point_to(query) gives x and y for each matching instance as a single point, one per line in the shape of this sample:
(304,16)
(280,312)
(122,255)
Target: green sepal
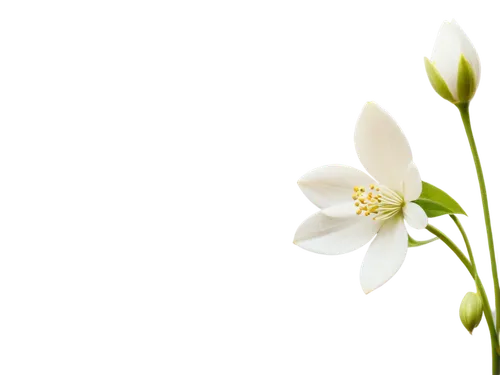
(436,202)
(437,81)
(466,81)
(414,243)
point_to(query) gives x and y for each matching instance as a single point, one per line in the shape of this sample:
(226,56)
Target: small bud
(471,311)
(454,69)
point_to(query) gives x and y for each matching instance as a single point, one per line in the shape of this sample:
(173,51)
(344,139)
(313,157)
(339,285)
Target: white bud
(453,69)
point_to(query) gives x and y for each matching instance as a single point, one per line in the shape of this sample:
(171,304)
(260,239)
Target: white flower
(355,207)
(454,69)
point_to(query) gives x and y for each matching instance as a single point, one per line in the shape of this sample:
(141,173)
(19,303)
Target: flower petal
(326,186)
(479,73)
(324,234)
(412,184)
(446,55)
(382,147)
(415,215)
(385,254)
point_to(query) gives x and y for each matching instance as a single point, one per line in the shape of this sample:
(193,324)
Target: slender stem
(464,112)
(471,269)
(466,241)
(443,237)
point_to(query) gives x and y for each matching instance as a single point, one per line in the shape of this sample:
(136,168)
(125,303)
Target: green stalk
(466,241)
(486,306)
(443,237)
(464,113)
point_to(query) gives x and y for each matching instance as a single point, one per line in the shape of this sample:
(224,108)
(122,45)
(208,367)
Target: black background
(412,328)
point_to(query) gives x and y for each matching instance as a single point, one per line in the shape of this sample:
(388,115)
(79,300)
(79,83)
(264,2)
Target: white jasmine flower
(355,207)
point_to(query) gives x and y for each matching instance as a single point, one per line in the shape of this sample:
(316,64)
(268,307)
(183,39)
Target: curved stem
(466,240)
(443,237)
(464,113)
(487,310)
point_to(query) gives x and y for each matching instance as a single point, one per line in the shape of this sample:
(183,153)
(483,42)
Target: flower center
(380,202)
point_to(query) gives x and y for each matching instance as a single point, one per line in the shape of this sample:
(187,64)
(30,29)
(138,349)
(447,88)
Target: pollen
(380,203)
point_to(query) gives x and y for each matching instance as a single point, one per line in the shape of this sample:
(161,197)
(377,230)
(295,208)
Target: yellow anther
(382,205)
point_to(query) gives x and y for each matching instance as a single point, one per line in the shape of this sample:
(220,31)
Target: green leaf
(437,81)
(436,202)
(466,80)
(414,243)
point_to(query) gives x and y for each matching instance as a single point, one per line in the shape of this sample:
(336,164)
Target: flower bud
(471,311)
(453,69)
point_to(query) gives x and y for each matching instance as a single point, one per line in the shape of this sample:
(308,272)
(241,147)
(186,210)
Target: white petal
(382,147)
(446,55)
(332,184)
(415,215)
(324,234)
(412,185)
(385,254)
(479,73)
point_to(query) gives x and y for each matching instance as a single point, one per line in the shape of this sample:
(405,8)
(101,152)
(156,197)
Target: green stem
(443,237)
(466,241)
(487,310)
(464,112)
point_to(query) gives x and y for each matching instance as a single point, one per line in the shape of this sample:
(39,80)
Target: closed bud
(453,69)
(471,311)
